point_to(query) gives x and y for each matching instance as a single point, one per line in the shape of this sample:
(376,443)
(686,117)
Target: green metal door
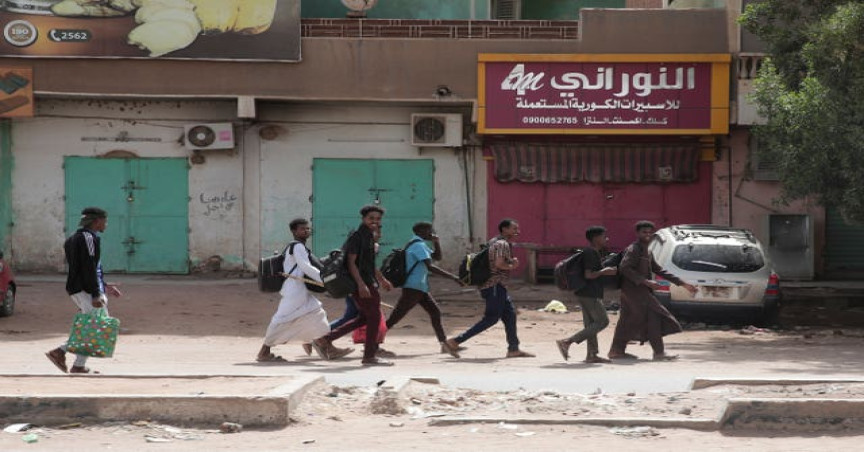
(147,204)
(405,188)
(844,247)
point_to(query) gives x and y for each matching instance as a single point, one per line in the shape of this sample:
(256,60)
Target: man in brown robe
(642,317)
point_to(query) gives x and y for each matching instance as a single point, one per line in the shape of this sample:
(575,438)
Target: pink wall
(558,214)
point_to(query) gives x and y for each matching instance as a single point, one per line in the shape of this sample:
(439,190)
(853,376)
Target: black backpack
(338,281)
(312,260)
(270,269)
(394,267)
(474,270)
(570,272)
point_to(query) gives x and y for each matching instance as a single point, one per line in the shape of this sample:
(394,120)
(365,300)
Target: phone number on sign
(550,120)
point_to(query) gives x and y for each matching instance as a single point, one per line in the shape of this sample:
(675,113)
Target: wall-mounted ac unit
(436,129)
(208,136)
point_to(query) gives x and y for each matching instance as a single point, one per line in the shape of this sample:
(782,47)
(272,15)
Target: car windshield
(718,258)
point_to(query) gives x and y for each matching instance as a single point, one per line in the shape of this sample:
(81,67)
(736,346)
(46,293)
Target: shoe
(447,347)
(81,370)
(564,348)
(58,358)
(322,347)
(614,356)
(307,348)
(594,359)
(381,353)
(377,362)
(458,348)
(665,357)
(519,354)
(336,353)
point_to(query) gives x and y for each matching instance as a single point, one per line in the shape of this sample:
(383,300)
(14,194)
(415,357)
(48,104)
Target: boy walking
(590,298)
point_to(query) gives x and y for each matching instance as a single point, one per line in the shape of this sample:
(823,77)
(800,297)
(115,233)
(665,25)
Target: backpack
(394,266)
(270,269)
(338,281)
(613,260)
(570,272)
(312,260)
(474,270)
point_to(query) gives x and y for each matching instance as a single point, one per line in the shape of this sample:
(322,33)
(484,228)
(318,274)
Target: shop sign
(603,94)
(16,92)
(247,30)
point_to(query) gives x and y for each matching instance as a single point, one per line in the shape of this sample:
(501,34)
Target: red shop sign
(604,94)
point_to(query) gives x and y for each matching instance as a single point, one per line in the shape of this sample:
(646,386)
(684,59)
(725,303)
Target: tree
(811,92)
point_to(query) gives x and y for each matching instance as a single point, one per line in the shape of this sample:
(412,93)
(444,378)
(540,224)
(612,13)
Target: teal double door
(405,188)
(147,201)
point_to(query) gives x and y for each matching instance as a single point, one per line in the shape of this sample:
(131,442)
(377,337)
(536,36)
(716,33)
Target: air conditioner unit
(436,129)
(209,136)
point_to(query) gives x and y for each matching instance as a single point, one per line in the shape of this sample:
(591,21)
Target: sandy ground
(214,327)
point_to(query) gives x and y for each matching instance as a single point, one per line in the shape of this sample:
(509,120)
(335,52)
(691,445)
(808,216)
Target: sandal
(519,354)
(58,358)
(307,348)
(622,356)
(271,358)
(448,347)
(665,357)
(597,360)
(564,348)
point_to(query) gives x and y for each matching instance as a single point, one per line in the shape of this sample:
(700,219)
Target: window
(507,9)
(718,258)
(764,167)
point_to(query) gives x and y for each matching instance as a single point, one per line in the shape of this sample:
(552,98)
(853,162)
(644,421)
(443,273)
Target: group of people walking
(300,316)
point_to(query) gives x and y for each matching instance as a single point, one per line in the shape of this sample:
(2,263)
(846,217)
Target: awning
(575,162)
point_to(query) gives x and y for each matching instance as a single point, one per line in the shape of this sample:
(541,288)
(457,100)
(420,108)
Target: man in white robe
(300,317)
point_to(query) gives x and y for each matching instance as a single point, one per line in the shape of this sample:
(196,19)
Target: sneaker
(377,362)
(381,353)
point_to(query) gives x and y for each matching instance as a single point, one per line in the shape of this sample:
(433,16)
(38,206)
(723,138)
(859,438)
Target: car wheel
(8,305)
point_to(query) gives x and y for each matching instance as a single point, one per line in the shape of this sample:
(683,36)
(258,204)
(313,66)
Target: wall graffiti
(216,204)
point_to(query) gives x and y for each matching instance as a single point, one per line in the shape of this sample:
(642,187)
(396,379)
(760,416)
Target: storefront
(577,140)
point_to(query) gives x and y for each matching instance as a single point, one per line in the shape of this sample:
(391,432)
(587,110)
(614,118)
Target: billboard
(604,94)
(16,92)
(248,30)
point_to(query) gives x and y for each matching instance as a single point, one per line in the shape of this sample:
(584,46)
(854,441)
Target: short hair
(421,226)
(90,214)
(594,231)
(371,208)
(644,224)
(296,223)
(506,223)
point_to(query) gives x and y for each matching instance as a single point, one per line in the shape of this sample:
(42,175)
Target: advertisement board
(603,94)
(248,30)
(16,92)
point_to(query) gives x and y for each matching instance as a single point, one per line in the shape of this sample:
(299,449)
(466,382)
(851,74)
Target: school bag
(394,266)
(474,270)
(570,273)
(338,281)
(312,260)
(270,276)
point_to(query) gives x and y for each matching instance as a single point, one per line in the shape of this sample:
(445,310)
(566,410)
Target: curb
(702,383)
(264,410)
(701,424)
(794,414)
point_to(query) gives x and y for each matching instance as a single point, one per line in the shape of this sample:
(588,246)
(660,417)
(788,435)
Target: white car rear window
(718,258)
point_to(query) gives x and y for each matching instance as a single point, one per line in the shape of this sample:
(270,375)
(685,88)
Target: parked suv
(7,289)
(728,266)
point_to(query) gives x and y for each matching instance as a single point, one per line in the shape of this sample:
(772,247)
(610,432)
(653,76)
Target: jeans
(411,298)
(350,313)
(499,306)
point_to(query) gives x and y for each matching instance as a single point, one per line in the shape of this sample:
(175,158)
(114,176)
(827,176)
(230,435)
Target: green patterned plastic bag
(93,334)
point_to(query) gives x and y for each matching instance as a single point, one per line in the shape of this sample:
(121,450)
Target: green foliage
(811,90)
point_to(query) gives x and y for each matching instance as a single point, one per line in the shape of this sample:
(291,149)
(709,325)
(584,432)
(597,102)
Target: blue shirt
(417,253)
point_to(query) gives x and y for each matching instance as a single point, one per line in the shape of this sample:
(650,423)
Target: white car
(728,266)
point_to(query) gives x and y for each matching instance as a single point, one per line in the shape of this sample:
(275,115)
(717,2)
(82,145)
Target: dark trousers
(370,316)
(499,306)
(595,320)
(411,298)
(350,313)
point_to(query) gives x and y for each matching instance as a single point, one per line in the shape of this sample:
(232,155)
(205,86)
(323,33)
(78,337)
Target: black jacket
(82,255)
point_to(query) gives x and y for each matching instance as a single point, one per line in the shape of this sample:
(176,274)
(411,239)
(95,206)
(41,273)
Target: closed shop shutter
(844,247)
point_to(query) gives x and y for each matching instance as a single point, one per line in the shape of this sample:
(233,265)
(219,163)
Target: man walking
(499,306)
(590,298)
(361,265)
(418,263)
(642,317)
(300,316)
(85,282)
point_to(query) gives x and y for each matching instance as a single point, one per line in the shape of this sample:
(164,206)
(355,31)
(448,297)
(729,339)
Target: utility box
(790,245)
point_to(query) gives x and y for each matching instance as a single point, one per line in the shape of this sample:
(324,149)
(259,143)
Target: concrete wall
(402,9)
(65,128)
(751,201)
